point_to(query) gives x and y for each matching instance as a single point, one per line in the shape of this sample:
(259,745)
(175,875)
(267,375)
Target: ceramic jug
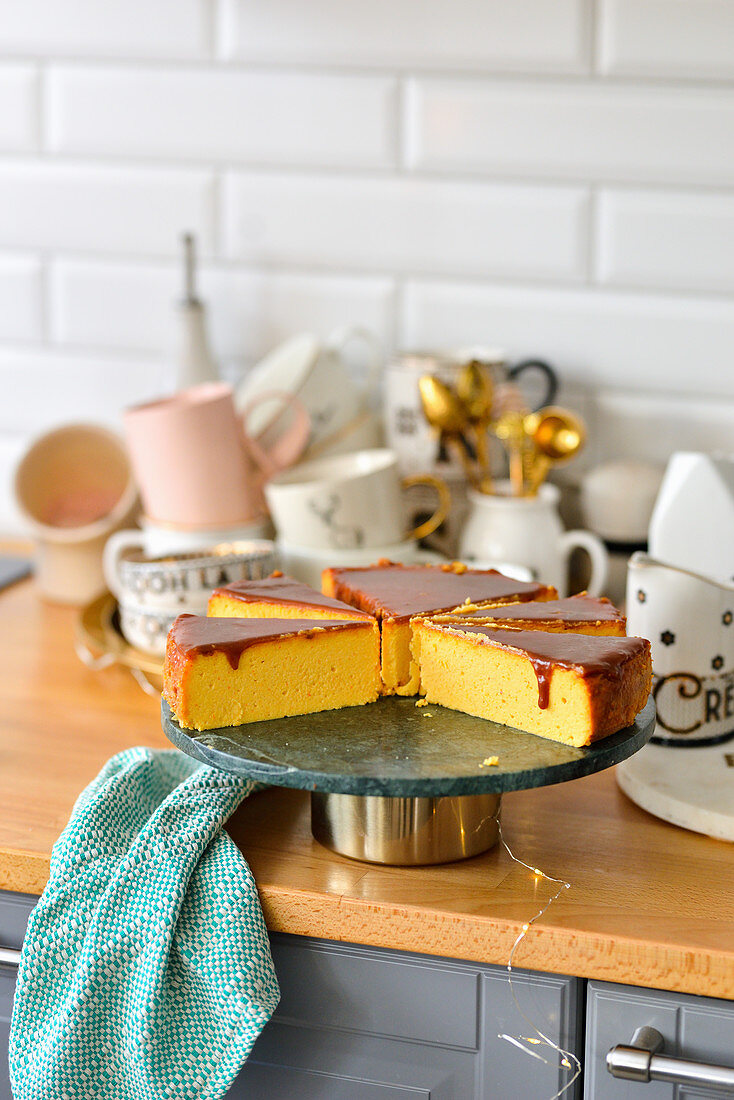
(689,619)
(505,531)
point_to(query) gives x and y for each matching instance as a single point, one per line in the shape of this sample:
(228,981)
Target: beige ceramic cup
(74,487)
(194,461)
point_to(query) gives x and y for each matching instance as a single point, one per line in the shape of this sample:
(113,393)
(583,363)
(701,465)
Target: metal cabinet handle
(9,957)
(641,1060)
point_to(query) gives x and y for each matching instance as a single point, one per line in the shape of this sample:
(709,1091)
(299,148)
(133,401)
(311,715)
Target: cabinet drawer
(381,993)
(366,1023)
(699,1028)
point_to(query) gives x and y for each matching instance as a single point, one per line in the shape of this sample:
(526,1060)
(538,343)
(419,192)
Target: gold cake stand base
(411,832)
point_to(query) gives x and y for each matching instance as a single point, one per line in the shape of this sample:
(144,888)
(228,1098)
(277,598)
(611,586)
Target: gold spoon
(475,390)
(557,435)
(510,428)
(443,410)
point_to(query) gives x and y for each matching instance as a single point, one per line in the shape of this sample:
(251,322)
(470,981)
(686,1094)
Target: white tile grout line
(461,174)
(494,281)
(471,71)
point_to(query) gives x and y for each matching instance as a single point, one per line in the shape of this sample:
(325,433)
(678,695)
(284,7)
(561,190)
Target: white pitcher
(689,619)
(505,531)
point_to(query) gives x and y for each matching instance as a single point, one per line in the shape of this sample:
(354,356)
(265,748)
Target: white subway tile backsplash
(112,305)
(19,131)
(252,311)
(20,298)
(205,114)
(523,34)
(132,307)
(678,38)
(115,28)
(406,225)
(645,342)
(666,239)
(580,130)
(45,387)
(651,427)
(55,205)
(552,176)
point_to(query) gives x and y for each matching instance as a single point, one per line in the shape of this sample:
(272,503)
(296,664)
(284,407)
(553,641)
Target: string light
(565,1058)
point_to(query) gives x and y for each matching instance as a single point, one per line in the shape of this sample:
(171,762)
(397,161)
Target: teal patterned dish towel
(146,970)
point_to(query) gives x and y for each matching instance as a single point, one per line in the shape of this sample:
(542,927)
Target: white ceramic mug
(154,539)
(317,373)
(504,530)
(408,432)
(347,502)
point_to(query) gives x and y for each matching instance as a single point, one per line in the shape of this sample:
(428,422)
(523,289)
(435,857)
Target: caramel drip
(200,636)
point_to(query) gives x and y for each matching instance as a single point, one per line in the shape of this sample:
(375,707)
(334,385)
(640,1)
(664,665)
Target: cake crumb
(458,567)
(427,714)
(276,573)
(490,762)
(421,702)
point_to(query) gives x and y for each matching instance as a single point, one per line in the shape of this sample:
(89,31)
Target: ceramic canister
(689,619)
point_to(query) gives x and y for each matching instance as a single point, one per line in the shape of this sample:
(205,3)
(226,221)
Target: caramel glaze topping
(398,592)
(580,608)
(587,654)
(203,636)
(277,588)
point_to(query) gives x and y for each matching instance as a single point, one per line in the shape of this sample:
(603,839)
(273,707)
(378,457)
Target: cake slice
(573,688)
(277,597)
(228,671)
(394,594)
(581,614)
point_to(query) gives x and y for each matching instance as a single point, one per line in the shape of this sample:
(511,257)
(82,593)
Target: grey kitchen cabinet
(361,1023)
(698,1028)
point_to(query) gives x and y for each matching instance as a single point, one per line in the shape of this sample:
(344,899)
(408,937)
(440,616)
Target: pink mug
(194,461)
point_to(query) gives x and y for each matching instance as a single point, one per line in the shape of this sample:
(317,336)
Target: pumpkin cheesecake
(572,688)
(229,671)
(395,594)
(581,614)
(277,597)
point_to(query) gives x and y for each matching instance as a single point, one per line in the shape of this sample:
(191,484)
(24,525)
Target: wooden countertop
(650,904)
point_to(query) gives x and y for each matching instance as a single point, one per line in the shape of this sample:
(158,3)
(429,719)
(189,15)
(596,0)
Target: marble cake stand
(399,784)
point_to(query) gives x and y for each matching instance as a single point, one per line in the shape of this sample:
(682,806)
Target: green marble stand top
(395,749)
